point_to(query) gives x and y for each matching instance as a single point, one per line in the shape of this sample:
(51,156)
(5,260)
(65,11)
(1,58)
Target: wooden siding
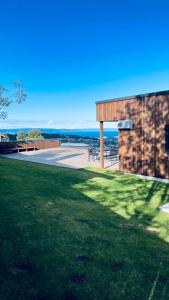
(41,144)
(141,150)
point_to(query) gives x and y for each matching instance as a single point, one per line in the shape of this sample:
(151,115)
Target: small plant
(6,138)
(22,136)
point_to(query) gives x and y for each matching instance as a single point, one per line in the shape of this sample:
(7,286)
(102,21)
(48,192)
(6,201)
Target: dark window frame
(167,138)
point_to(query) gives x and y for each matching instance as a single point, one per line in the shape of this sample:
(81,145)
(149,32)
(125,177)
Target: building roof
(135,96)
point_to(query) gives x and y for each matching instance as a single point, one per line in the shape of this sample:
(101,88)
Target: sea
(91,133)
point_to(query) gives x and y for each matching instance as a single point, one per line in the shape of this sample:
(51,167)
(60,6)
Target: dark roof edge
(137,97)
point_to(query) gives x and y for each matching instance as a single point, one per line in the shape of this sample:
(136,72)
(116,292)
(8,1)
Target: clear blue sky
(70,53)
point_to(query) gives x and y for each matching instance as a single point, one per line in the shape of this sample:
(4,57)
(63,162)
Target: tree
(35,134)
(22,136)
(6,99)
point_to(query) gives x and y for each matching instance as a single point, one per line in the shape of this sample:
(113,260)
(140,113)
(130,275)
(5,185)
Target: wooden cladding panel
(113,111)
(41,144)
(118,110)
(141,150)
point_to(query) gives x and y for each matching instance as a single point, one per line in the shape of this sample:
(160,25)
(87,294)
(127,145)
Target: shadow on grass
(62,235)
(130,197)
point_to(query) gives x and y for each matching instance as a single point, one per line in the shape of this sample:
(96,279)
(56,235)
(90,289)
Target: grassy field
(81,234)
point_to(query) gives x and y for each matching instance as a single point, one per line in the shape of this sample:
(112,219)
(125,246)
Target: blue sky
(70,54)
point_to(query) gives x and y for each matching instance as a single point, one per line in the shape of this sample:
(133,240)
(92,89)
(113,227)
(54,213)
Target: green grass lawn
(81,234)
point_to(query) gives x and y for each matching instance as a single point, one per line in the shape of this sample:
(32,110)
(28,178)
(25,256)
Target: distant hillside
(54,133)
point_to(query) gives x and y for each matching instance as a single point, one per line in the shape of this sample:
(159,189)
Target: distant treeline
(13,137)
(63,136)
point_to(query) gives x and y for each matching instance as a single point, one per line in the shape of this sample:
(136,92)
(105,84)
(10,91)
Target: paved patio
(63,157)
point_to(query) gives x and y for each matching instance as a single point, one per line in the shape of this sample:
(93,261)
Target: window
(167,138)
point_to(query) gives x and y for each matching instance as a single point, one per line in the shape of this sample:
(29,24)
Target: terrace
(70,157)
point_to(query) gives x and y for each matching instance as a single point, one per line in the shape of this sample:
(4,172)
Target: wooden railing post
(101,146)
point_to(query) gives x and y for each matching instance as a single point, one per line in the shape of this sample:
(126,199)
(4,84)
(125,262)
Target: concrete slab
(63,157)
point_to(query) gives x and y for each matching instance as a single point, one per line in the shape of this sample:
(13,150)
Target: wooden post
(101,146)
